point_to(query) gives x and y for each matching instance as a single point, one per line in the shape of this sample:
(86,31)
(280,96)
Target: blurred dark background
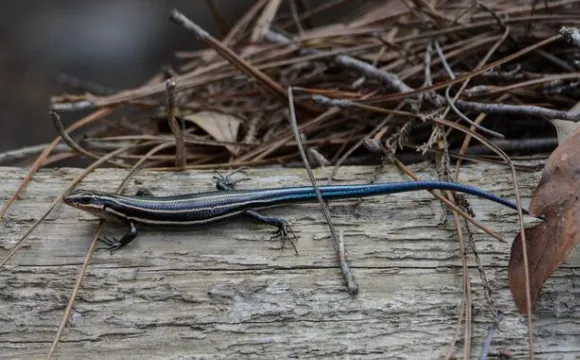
(115,43)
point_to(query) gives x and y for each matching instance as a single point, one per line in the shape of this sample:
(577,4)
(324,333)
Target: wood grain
(226,292)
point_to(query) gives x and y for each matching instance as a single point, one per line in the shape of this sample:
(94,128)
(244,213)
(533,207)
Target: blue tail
(335,192)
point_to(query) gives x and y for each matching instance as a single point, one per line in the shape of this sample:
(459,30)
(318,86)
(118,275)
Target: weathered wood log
(226,292)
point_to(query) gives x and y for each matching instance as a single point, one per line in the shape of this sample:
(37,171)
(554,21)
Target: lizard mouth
(90,208)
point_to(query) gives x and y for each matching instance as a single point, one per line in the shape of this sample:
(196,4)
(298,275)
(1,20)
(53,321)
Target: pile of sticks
(371,87)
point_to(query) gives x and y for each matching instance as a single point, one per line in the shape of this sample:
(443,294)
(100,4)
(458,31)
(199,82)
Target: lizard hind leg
(284,232)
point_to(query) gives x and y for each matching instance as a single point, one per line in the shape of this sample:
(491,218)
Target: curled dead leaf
(550,242)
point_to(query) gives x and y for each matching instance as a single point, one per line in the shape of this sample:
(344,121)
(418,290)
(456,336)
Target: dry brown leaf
(550,242)
(220,126)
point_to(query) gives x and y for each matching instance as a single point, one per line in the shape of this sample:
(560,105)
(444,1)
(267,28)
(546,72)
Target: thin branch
(346,272)
(296,16)
(218,16)
(180,149)
(265,20)
(76,147)
(466,285)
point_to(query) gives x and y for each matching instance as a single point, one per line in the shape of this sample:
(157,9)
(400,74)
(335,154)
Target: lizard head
(87,200)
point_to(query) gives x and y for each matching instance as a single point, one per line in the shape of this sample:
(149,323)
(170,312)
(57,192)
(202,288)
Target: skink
(206,207)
